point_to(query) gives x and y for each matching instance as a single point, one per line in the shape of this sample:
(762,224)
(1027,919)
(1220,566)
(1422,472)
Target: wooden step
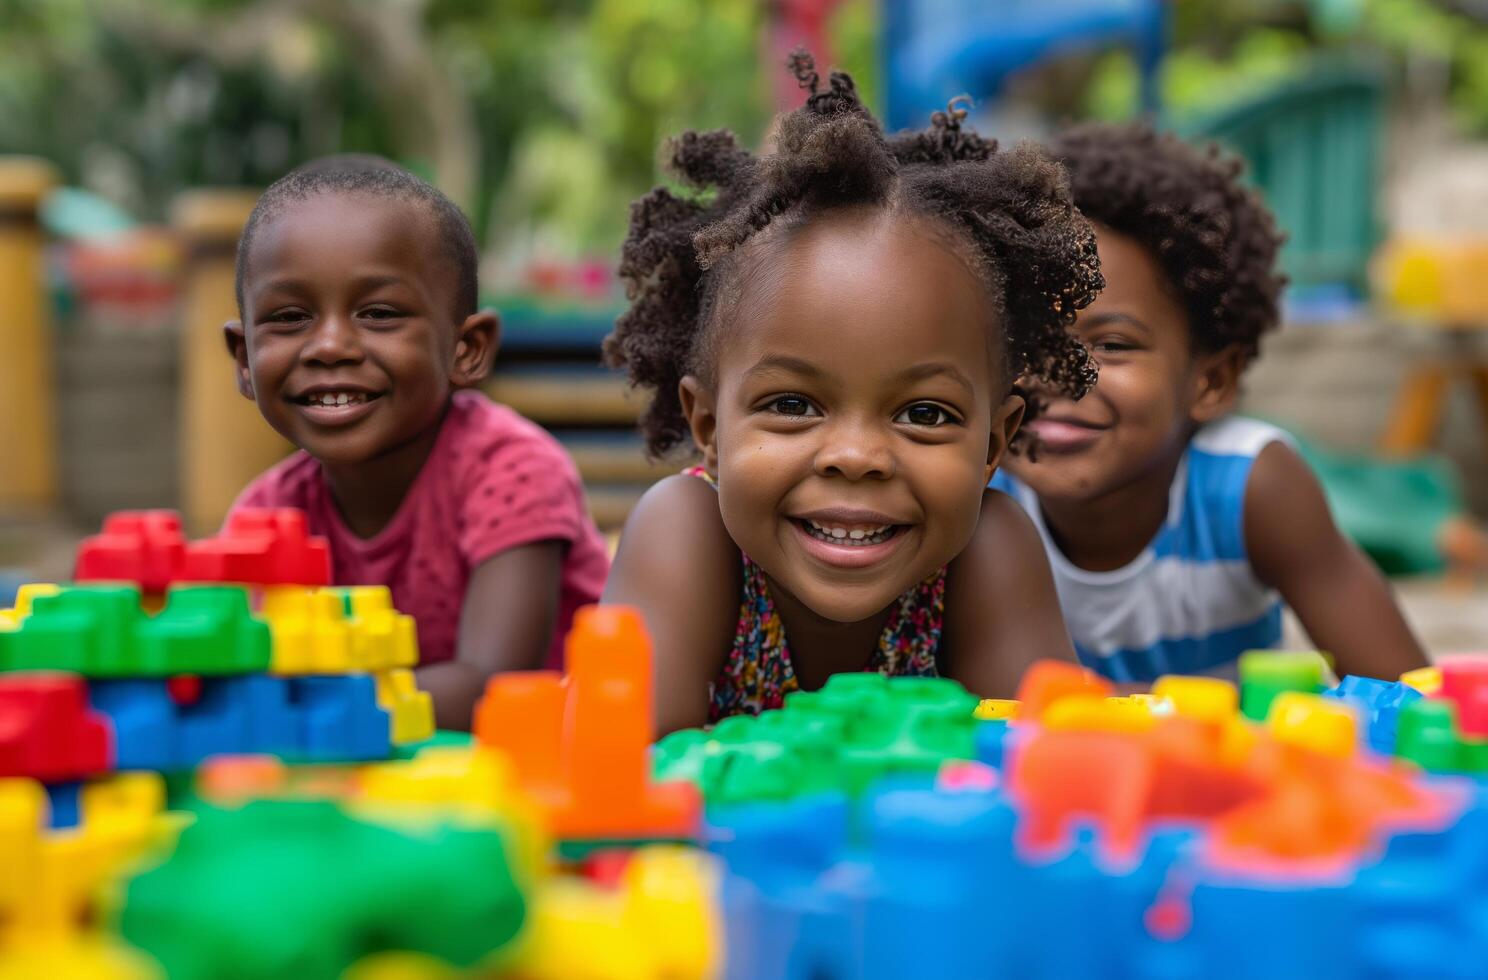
(612,456)
(610,503)
(564,395)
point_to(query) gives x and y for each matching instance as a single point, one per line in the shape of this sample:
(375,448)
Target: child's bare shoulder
(676,534)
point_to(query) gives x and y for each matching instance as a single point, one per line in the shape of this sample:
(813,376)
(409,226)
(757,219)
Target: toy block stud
(26,597)
(996,709)
(1266,673)
(1323,725)
(144,547)
(1464,682)
(205,629)
(1047,681)
(382,638)
(48,732)
(1206,699)
(260,547)
(310,631)
(1427,680)
(1428,735)
(411,710)
(522,716)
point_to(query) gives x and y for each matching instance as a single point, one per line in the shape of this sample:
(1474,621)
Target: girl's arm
(678,566)
(1342,600)
(1002,613)
(506,623)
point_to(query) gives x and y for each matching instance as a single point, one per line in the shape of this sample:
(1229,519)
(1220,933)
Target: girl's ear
(475,348)
(701,411)
(237,346)
(1005,421)
(1216,383)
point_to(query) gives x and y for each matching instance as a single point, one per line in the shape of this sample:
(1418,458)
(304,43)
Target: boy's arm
(506,623)
(1342,600)
(1002,612)
(678,566)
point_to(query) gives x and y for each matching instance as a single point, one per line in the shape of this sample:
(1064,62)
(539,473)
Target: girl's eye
(925,413)
(793,405)
(1114,346)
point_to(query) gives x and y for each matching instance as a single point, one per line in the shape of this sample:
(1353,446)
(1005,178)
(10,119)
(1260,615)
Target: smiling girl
(357,290)
(835,328)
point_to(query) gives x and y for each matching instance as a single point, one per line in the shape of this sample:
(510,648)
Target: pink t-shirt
(493,481)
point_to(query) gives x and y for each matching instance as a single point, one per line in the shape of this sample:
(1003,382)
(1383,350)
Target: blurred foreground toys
(1199,830)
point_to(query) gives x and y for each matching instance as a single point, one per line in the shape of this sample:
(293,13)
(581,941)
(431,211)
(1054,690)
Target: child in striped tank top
(1175,530)
(836,329)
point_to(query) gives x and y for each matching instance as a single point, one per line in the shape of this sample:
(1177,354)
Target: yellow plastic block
(997,709)
(1098,714)
(313,634)
(91,958)
(54,878)
(25,596)
(1312,722)
(411,710)
(1427,680)
(1200,698)
(659,924)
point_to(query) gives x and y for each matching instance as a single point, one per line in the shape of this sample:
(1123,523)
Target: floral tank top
(758,674)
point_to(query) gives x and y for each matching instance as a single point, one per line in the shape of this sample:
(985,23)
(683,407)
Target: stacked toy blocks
(580,744)
(228,645)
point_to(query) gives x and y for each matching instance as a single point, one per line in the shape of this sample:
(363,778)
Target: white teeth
(856,536)
(335,399)
(838,532)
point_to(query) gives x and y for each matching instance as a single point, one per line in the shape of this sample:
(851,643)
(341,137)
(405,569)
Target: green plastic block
(1266,673)
(301,889)
(101,631)
(1427,735)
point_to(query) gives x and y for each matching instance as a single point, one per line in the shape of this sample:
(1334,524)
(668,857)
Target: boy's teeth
(333,399)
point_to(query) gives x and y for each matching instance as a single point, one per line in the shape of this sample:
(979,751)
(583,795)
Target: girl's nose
(857,451)
(334,340)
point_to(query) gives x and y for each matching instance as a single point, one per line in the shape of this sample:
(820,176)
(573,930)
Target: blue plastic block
(339,720)
(64,797)
(1380,703)
(144,717)
(272,725)
(992,739)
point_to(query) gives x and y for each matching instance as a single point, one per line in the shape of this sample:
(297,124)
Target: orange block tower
(581,743)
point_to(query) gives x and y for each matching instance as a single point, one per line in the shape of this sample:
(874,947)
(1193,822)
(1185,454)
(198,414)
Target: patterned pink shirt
(493,481)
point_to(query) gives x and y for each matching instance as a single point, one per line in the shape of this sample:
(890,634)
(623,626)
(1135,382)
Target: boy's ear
(1005,421)
(237,346)
(1217,383)
(701,411)
(475,348)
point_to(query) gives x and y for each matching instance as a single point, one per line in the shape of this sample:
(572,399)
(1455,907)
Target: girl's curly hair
(1010,211)
(1213,236)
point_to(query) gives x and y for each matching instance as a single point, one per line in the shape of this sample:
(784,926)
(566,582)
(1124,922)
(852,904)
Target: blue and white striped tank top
(1189,603)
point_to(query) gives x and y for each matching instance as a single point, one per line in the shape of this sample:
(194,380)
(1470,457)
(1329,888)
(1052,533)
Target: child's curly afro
(1214,238)
(1011,212)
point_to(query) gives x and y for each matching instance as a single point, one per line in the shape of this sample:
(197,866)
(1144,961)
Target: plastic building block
(64,800)
(1091,713)
(411,710)
(996,709)
(336,631)
(102,631)
(1428,736)
(300,888)
(1313,722)
(1266,673)
(1048,681)
(260,547)
(1381,703)
(94,958)
(657,922)
(1427,680)
(47,731)
(144,547)
(339,718)
(1207,699)
(25,596)
(1464,682)
(585,756)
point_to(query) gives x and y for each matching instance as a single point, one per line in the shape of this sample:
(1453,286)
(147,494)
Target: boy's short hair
(366,173)
(1213,236)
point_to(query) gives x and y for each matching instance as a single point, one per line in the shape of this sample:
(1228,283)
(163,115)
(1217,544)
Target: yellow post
(225,443)
(28,464)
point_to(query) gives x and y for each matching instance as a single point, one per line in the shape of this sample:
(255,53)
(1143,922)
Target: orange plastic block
(1047,681)
(584,752)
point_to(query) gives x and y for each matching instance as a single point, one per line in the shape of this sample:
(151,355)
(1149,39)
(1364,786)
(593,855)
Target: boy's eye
(793,405)
(381,313)
(287,316)
(925,413)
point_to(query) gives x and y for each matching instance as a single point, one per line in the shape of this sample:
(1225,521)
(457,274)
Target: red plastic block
(1464,681)
(47,730)
(260,547)
(583,748)
(141,546)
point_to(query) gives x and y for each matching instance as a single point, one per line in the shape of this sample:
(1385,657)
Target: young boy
(358,297)
(1170,525)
